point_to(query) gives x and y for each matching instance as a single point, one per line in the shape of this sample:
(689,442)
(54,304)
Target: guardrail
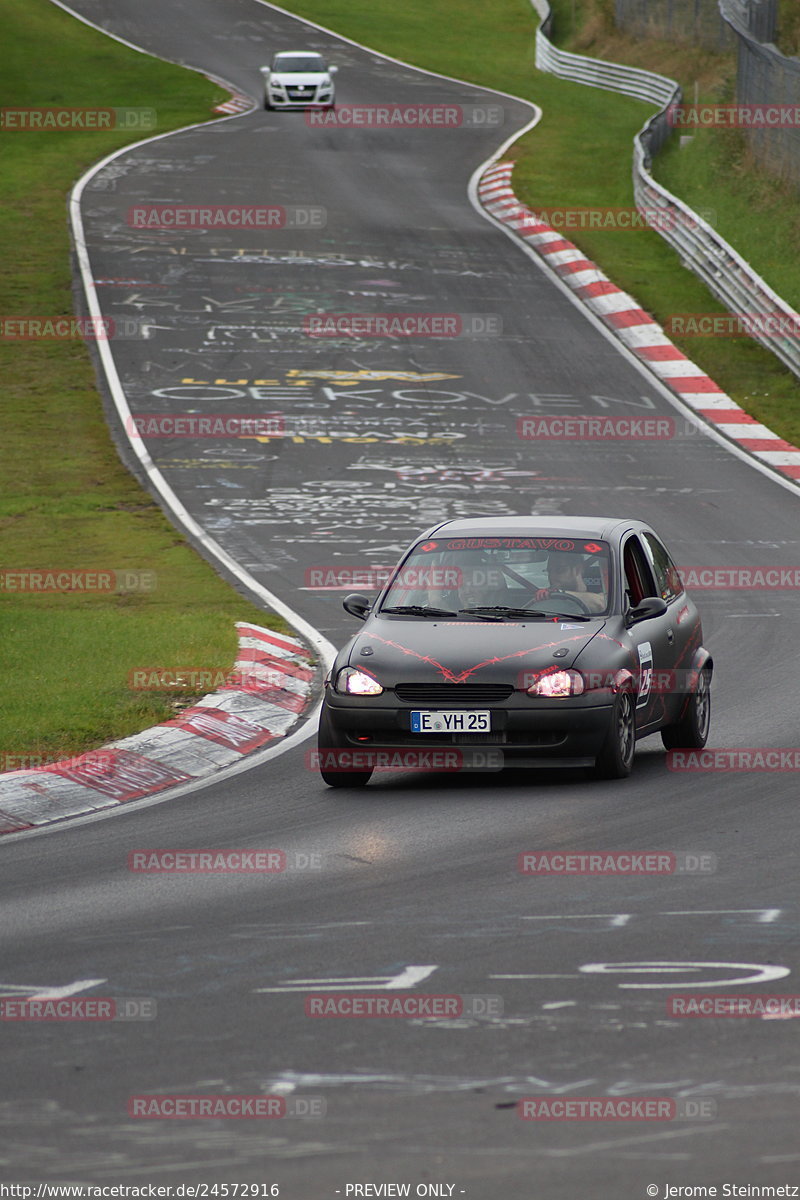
(725,273)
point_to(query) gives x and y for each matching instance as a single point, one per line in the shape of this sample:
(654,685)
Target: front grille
(525,739)
(453,693)
(301,93)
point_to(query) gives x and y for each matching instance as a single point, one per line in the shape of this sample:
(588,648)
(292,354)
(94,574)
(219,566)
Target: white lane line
(766,914)
(534,976)
(615,918)
(591,1147)
(70,989)
(407,978)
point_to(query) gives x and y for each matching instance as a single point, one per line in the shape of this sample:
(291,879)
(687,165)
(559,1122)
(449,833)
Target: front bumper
(282,101)
(525,731)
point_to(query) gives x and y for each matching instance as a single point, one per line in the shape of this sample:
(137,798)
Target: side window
(668,580)
(639,581)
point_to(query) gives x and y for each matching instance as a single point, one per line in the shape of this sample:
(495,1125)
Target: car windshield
(506,576)
(297,64)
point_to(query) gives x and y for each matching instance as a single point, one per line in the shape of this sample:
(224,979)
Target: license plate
(454,721)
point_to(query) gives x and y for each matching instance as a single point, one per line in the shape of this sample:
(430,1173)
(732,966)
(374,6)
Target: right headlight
(557,684)
(352,682)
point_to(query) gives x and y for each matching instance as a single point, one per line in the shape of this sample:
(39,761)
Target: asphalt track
(412,871)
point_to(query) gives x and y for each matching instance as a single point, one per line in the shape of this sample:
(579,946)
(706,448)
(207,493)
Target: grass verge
(580,154)
(67,501)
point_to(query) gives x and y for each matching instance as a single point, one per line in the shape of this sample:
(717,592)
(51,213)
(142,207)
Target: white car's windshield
(296,64)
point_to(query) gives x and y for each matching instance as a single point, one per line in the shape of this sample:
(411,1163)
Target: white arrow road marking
(406,979)
(765,915)
(762,972)
(37,992)
(410,976)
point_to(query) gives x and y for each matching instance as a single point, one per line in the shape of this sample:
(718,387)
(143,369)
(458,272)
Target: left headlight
(353,682)
(557,684)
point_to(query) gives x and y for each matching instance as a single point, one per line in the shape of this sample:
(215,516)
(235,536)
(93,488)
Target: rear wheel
(691,732)
(616,758)
(334,757)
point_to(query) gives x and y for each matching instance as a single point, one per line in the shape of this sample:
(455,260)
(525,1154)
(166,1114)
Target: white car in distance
(298,79)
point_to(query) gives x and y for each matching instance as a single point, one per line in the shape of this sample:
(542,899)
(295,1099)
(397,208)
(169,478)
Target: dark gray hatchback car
(547,641)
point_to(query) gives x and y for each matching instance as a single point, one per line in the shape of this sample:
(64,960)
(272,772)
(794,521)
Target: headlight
(357,683)
(557,684)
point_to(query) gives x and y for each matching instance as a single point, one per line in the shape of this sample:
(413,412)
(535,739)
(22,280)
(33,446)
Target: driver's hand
(542,593)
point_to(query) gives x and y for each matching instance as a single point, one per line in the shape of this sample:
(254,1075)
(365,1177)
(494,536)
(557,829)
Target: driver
(565,574)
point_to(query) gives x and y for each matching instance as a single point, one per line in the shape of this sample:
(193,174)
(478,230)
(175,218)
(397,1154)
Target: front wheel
(691,732)
(333,758)
(616,758)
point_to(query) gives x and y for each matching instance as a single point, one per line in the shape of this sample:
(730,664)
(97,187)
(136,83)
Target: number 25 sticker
(645,672)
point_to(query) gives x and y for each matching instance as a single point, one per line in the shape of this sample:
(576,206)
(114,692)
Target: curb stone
(643,336)
(214,732)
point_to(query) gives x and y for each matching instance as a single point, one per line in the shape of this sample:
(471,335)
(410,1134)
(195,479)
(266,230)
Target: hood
(427,651)
(299,78)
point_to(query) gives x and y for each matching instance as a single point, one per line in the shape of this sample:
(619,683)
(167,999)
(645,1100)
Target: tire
(616,758)
(691,732)
(327,745)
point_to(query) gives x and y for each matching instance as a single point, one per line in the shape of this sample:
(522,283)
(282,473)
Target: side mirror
(650,607)
(265,71)
(332,70)
(356,605)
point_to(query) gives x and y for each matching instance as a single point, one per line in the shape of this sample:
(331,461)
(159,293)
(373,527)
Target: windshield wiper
(499,611)
(420,610)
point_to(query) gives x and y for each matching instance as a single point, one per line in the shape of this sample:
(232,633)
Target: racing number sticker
(645,673)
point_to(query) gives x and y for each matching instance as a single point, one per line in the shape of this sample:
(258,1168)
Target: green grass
(66,500)
(581,152)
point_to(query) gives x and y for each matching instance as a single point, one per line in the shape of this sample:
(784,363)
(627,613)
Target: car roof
(298,54)
(605,528)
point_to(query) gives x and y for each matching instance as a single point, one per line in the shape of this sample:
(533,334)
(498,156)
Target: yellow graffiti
(374,376)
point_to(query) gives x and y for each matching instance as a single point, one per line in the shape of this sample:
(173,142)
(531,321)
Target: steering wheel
(583,607)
